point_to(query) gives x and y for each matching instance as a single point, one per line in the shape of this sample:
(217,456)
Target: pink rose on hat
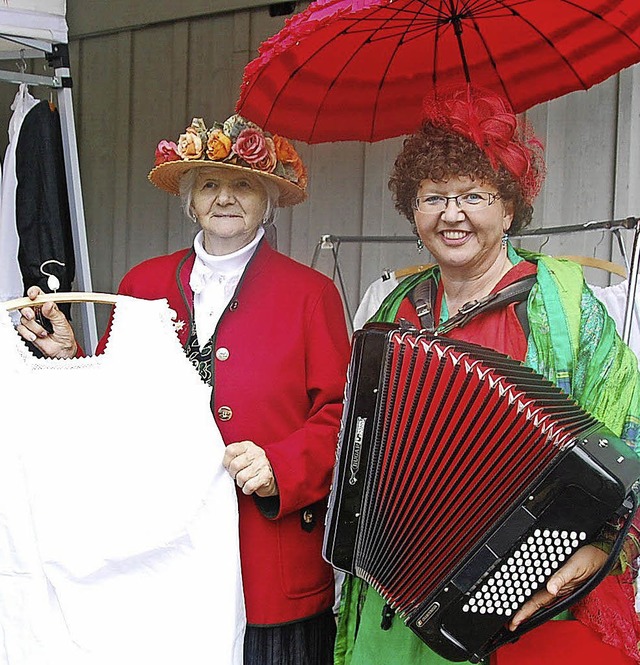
(252,147)
(166,151)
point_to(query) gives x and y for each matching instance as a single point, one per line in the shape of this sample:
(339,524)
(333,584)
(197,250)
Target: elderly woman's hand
(584,563)
(61,342)
(248,465)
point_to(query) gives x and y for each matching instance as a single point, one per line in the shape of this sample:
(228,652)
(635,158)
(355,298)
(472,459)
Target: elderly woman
(269,336)
(466,181)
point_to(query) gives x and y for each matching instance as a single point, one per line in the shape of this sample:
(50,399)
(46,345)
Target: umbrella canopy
(359,70)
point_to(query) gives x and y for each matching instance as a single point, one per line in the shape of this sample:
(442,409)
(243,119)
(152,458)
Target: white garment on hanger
(372,299)
(614,298)
(118,523)
(11,285)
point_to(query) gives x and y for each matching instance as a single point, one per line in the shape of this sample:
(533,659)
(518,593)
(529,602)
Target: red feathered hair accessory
(489,121)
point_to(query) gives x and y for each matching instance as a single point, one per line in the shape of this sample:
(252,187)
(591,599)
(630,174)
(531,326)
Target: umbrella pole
(457,28)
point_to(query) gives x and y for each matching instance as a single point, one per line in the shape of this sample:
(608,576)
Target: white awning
(40,20)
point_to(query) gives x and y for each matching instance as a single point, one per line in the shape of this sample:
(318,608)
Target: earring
(505,238)
(419,245)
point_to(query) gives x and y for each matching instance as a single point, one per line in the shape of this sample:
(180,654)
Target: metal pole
(72,169)
(622,249)
(632,288)
(595,225)
(335,250)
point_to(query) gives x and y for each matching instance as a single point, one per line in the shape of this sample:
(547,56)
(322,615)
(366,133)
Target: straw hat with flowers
(238,144)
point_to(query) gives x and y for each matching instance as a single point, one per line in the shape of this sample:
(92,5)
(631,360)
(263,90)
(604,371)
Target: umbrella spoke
(595,15)
(434,68)
(299,67)
(384,76)
(546,39)
(504,90)
(331,85)
(416,22)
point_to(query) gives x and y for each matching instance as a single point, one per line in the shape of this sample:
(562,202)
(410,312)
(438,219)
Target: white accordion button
(523,571)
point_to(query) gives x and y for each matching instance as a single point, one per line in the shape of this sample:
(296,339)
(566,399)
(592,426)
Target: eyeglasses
(470,202)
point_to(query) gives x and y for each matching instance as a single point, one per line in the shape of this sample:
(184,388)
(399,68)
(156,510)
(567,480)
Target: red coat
(283,382)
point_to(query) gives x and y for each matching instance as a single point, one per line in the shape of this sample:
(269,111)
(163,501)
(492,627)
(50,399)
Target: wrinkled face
(462,241)
(229,205)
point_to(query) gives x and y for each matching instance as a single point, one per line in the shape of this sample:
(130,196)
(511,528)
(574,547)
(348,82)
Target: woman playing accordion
(466,182)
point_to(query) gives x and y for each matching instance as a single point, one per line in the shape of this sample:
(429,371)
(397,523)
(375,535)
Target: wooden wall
(136,85)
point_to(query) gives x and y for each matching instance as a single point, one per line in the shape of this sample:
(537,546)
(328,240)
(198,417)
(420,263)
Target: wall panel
(96,17)
(579,135)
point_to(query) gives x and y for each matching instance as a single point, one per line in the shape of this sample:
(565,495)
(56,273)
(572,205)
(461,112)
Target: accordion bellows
(463,481)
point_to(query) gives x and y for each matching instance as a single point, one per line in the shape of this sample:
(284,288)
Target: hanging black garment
(43,219)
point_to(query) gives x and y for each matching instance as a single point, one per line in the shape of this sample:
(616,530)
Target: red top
(498,329)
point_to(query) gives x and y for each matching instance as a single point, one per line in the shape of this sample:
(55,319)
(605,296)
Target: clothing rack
(332,243)
(57,56)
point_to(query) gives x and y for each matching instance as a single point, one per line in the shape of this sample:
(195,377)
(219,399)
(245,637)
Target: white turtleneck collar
(213,281)
(208,265)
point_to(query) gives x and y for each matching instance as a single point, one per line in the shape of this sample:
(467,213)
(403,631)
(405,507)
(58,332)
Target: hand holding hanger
(61,342)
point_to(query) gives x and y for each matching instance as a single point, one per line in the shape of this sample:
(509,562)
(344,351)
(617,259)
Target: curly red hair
(477,135)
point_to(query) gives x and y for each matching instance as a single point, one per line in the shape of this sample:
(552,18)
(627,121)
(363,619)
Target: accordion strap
(423,297)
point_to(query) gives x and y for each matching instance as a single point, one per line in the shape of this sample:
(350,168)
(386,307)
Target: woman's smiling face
(465,242)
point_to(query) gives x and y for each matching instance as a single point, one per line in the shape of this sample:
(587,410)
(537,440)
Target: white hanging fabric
(372,299)
(11,285)
(614,298)
(118,523)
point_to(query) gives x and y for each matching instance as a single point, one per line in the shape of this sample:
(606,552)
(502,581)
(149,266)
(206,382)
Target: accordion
(463,481)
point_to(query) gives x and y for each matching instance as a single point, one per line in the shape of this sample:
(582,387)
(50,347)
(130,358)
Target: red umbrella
(358,70)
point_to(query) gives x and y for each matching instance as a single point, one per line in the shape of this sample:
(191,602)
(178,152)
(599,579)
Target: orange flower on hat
(285,151)
(190,144)
(290,159)
(218,145)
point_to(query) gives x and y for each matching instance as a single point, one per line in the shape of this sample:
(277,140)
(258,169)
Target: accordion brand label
(357,448)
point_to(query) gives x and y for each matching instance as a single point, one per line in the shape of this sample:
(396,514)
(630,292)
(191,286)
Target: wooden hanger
(589,261)
(70,297)
(412,270)
(603,264)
